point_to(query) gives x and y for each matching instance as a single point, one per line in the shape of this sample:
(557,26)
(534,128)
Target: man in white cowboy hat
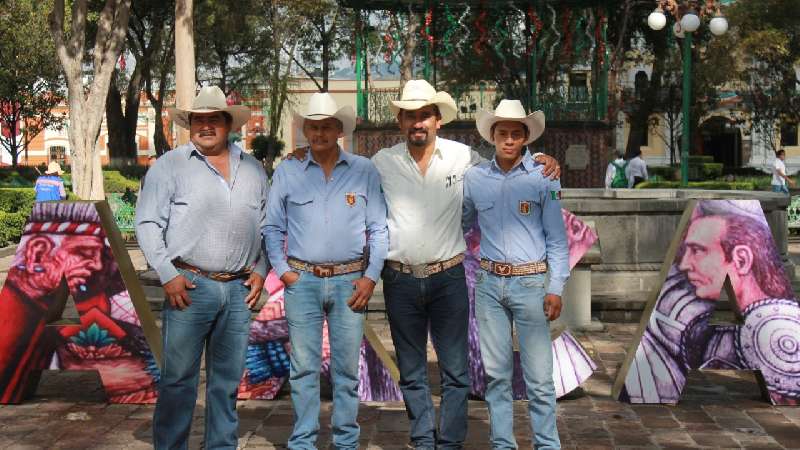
(424,281)
(198,222)
(50,186)
(327,210)
(522,238)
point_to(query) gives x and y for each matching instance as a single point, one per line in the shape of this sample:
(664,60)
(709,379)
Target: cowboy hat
(418,94)
(210,99)
(53,167)
(322,106)
(513,111)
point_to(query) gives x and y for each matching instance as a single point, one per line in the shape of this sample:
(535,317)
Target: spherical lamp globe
(718,25)
(656,20)
(690,22)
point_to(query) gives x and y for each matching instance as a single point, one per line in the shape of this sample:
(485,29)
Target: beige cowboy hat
(418,94)
(510,110)
(322,106)
(210,99)
(53,168)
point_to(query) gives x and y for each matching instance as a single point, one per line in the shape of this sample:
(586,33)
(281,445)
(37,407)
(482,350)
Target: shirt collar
(235,151)
(344,157)
(437,149)
(527,163)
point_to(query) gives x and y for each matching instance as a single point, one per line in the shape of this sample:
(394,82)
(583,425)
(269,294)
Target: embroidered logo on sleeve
(555,195)
(524,207)
(350,199)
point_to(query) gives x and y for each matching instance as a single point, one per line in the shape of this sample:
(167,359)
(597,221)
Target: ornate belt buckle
(323,271)
(503,269)
(419,270)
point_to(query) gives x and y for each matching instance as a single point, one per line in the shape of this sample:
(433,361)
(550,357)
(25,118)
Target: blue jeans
(780,188)
(499,302)
(308,302)
(438,303)
(218,319)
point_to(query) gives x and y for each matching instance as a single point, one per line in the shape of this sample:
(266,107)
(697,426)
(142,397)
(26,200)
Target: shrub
(131,171)
(11,226)
(17,200)
(113,181)
(700,159)
(710,185)
(663,172)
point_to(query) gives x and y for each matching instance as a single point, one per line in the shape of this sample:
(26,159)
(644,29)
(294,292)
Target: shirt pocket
(484,207)
(300,207)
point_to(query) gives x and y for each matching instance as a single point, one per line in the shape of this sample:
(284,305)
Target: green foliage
(666,173)
(267,147)
(17,200)
(699,159)
(710,185)
(133,172)
(11,226)
(115,182)
(30,76)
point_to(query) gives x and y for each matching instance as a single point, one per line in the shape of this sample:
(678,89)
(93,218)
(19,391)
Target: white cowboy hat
(210,99)
(53,167)
(510,110)
(418,94)
(322,106)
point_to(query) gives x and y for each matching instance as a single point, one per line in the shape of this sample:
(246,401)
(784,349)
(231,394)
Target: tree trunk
(122,148)
(410,44)
(184,60)
(87,105)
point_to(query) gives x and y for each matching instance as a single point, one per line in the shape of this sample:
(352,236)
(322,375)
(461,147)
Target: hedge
(11,226)
(17,200)
(711,185)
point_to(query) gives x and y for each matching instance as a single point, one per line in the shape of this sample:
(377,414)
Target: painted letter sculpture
(74,248)
(719,243)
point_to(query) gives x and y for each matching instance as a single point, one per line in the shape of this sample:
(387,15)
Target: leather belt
(510,270)
(426,270)
(327,270)
(216,276)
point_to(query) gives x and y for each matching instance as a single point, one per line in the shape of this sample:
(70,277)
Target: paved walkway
(719,409)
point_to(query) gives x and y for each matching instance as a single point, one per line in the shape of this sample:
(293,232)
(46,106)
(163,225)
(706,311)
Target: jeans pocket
(456,272)
(480,275)
(532,281)
(389,275)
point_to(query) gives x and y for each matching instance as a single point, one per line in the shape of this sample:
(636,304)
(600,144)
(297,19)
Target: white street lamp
(678,30)
(656,20)
(690,22)
(718,25)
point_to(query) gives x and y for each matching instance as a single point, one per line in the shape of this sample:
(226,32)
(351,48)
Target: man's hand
(175,289)
(551,167)
(298,154)
(289,278)
(362,291)
(256,284)
(552,306)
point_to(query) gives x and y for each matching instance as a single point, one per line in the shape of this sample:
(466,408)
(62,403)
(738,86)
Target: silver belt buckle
(419,270)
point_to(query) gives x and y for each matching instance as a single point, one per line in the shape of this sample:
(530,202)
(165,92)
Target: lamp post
(687,22)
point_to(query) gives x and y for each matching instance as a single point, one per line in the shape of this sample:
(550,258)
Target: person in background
(779,177)
(637,169)
(616,172)
(50,186)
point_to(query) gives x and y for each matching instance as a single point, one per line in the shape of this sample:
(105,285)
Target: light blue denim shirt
(187,210)
(519,214)
(327,221)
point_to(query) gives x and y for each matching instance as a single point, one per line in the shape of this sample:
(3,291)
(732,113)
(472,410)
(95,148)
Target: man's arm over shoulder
(274,229)
(262,265)
(468,211)
(378,233)
(152,218)
(555,234)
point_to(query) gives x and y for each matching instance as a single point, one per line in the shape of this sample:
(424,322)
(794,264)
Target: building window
(578,87)
(58,154)
(789,134)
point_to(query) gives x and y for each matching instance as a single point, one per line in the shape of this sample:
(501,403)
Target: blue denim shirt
(187,210)
(327,221)
(519,214)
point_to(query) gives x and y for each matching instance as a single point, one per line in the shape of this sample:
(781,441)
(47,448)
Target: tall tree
(30,79)
(86,104)
(149,28)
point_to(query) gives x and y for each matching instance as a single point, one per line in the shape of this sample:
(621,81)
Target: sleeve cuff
(281,268)
(373,273)
(556,287)
(166,272)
